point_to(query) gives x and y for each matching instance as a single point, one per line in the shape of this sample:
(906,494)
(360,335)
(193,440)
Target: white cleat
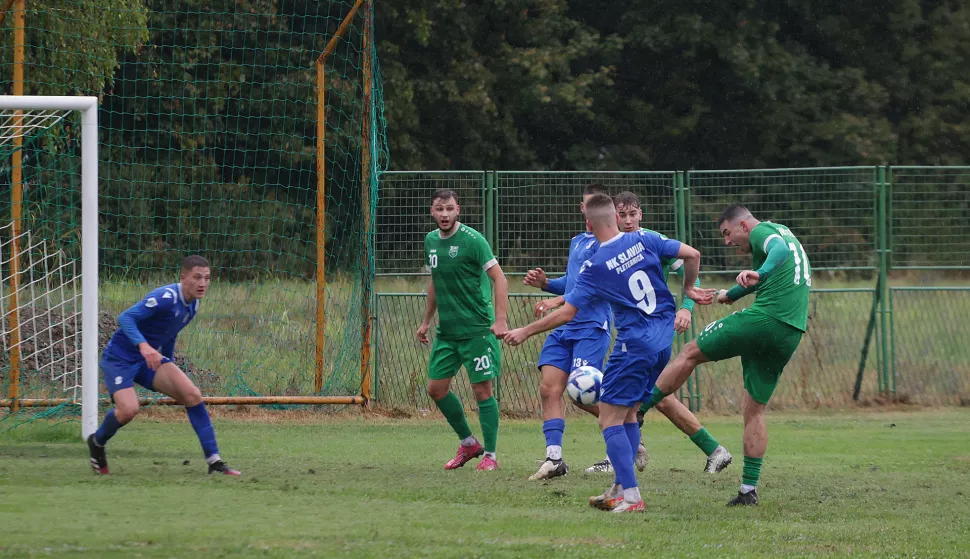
(602,467)
(718,460)
(642,457)
(549,469)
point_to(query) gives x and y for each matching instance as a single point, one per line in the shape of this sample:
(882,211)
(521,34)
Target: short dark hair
(444,194)
(597,201)
(194,261)
(627,199)
(733,212)
(594,188)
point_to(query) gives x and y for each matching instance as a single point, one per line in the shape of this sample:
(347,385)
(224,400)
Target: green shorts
(765,345)
(481,357)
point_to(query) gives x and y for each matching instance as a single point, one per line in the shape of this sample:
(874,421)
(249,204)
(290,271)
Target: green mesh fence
(831,211)
(930,356)
(821,374)
(403,214)
(208,145)
(537,213)
(930,217)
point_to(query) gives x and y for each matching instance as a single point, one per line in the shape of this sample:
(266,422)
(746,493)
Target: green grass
(887,484)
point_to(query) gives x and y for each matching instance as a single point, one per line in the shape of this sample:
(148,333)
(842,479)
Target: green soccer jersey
(784,295)
(463,291)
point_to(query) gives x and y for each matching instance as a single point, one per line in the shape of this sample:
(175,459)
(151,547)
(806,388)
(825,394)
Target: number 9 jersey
(627,272)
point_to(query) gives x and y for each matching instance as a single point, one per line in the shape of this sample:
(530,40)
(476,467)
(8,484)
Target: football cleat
(627,506)
(602,467)
(718,460)
(220,467)
(642,457)
(465,453)
(749,498)
(488,464)
(608,500)
(549,469)
(99,461)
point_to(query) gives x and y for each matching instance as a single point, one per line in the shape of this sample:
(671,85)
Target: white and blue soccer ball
(585,384)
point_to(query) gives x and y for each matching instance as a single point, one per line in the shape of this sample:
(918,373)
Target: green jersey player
(765,335)
(628,215)
(462,264)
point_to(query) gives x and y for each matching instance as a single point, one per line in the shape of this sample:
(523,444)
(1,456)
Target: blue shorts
(569,349)
(119,373)
(629,376)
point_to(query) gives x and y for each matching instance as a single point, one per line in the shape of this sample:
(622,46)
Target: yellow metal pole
(16,208)
(321,225)
(365,200)
(322,194)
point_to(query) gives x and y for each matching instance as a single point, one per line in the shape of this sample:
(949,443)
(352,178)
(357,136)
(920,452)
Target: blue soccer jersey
(156,319)
(597,313)
(627,273)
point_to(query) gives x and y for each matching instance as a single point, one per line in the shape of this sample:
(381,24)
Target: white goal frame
(88,107)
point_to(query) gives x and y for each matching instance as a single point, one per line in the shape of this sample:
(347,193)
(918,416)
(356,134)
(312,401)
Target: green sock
(704,441)
(655,398)
(488,415)
(451,408)
(752,471)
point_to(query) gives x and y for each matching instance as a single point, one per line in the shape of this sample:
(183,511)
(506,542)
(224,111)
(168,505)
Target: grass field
(886,484)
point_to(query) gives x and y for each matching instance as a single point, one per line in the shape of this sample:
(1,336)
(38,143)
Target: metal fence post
(488,217)
(884,280)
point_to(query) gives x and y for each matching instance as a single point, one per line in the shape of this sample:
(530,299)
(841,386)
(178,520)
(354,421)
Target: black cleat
(220,467)
(749,498)
(99,461)
(549,469)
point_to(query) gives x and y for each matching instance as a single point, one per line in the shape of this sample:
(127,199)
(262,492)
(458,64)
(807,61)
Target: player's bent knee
(125,412)
(482,390)
(192,397)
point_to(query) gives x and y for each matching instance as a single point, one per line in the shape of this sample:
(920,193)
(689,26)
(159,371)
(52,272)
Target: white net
(26,123)
(41,332)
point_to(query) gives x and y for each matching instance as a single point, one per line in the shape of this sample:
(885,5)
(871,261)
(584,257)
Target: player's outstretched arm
(429,309)
(748,280)
(501,298)
(692,267)
(554,320)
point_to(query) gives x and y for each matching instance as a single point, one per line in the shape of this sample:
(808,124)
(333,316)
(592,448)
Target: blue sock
(633,433)
(553,429)
(618,449)
(199,418)
(108,428)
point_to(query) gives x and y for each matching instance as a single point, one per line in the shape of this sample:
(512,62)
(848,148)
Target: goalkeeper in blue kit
(141,352)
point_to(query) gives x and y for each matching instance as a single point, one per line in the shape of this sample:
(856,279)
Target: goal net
(48,259)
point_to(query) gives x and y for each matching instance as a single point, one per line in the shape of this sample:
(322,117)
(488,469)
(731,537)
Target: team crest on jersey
(151,302)
(453,251)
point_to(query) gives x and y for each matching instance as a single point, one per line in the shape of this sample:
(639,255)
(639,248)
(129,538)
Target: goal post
(23,119)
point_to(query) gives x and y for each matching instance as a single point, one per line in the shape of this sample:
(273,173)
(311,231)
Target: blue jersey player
(584,340)
(626,271)
(141,352)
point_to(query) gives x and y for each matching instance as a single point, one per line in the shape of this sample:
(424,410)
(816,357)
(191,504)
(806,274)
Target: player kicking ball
(462,264)
(629,215)
(625,271)
(765,335)
(141,351)
(585,340)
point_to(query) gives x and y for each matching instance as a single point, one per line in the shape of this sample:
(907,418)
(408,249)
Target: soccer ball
(584,385)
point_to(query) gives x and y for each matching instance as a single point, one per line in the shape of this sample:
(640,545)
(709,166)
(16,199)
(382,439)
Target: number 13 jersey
(627,272)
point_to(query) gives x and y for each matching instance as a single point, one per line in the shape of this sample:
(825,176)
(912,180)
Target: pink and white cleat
(465,453)
(488,464)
